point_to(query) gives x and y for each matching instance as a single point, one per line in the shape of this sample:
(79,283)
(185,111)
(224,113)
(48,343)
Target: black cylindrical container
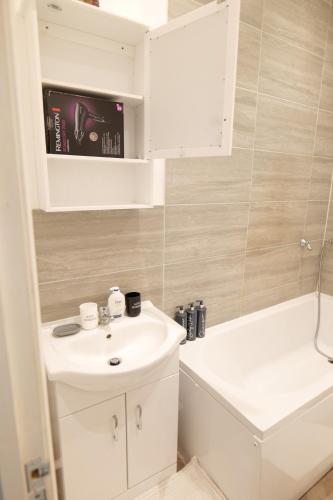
(191,313)
(201,319)
(133,304)
(181,319)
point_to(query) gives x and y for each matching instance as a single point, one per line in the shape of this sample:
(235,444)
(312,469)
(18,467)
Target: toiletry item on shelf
(191,314)
(83,125)
(65,330)
(89,315)
(201,318)
(91,2)
(116,303)
(181,319)
(133,304)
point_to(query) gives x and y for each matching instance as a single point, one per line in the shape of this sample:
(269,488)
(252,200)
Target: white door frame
(24,415)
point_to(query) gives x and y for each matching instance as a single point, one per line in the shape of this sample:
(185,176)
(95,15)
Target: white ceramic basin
(142,344)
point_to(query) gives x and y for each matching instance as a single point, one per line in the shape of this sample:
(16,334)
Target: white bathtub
(256,401)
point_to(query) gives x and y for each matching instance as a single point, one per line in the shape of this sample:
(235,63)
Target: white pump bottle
(116,303)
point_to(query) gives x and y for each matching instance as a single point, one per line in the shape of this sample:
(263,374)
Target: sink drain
(114,361)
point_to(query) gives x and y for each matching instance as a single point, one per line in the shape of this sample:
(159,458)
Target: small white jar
(89,315)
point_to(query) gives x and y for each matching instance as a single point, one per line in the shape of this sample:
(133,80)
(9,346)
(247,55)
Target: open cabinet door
(191,85)
(24,424)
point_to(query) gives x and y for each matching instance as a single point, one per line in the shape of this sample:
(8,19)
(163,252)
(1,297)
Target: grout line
(164,236)
(289,200)
(92,276)
(262,150)
(295,45)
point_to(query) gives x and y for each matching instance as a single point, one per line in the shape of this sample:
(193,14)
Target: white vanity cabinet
(93,443)
(152,423)
(117,447)
(177,84)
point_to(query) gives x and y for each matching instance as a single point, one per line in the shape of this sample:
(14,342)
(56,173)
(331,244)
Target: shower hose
(330,359)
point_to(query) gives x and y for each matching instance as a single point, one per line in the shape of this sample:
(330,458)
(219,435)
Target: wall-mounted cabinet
(176,82)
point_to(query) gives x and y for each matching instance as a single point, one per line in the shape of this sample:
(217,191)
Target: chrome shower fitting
(305,244)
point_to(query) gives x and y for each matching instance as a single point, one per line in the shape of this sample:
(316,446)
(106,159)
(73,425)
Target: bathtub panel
(299,454)
(224,447)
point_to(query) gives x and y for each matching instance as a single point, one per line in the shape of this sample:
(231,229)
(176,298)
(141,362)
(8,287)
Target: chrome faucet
(105,317)
(305,244)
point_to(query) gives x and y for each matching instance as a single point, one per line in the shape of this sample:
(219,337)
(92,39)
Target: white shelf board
(129,206)
(129,99)
(101,159)
(89,19)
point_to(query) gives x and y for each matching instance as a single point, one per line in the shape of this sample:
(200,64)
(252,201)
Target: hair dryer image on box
(81,117)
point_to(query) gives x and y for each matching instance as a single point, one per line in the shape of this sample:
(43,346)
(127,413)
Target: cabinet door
(192,65)
(93,446)
(152,423)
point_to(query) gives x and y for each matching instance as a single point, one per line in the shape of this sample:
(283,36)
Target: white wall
(150,12)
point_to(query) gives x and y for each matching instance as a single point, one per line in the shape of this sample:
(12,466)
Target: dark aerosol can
(201,319)
(181,319)
(191,313)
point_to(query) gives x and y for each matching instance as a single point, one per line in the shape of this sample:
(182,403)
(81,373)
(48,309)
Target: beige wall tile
(251,12)
(203,231)
(267,269)
(326,98)
(244,118)
(61,299)
(321,178)
(209,180)
(179,7)
(288,72)
(329,230)
(302,22)
(284,127)
(307,286)
(217,281)
(310,262)
(266,298)
(275,223)
(248,57)
(327,274)
(329,49)
(280,177)
(78,244)
(324,142)
(315,220)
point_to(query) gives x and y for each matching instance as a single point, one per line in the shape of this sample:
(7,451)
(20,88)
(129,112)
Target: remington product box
(83,125)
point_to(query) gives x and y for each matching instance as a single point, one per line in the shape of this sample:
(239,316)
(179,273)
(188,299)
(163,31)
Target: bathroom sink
(139,345)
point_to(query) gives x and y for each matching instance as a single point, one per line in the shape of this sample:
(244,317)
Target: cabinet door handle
(139,417)
(115,425)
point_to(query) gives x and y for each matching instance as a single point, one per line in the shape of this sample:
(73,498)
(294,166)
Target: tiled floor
(323,490)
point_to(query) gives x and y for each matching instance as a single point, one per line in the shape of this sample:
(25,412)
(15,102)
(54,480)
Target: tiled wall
(230,229)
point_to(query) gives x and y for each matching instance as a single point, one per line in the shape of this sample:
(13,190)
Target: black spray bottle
(191,322)
(181,319)
(201,319)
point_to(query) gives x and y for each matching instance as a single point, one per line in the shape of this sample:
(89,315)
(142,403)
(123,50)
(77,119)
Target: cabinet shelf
(89,19)
(95,159)
(77,208)
(125,97)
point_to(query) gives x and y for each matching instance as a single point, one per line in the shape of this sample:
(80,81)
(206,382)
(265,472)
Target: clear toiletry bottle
(181,319)
(116,303)
(191,314)
(201,319)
